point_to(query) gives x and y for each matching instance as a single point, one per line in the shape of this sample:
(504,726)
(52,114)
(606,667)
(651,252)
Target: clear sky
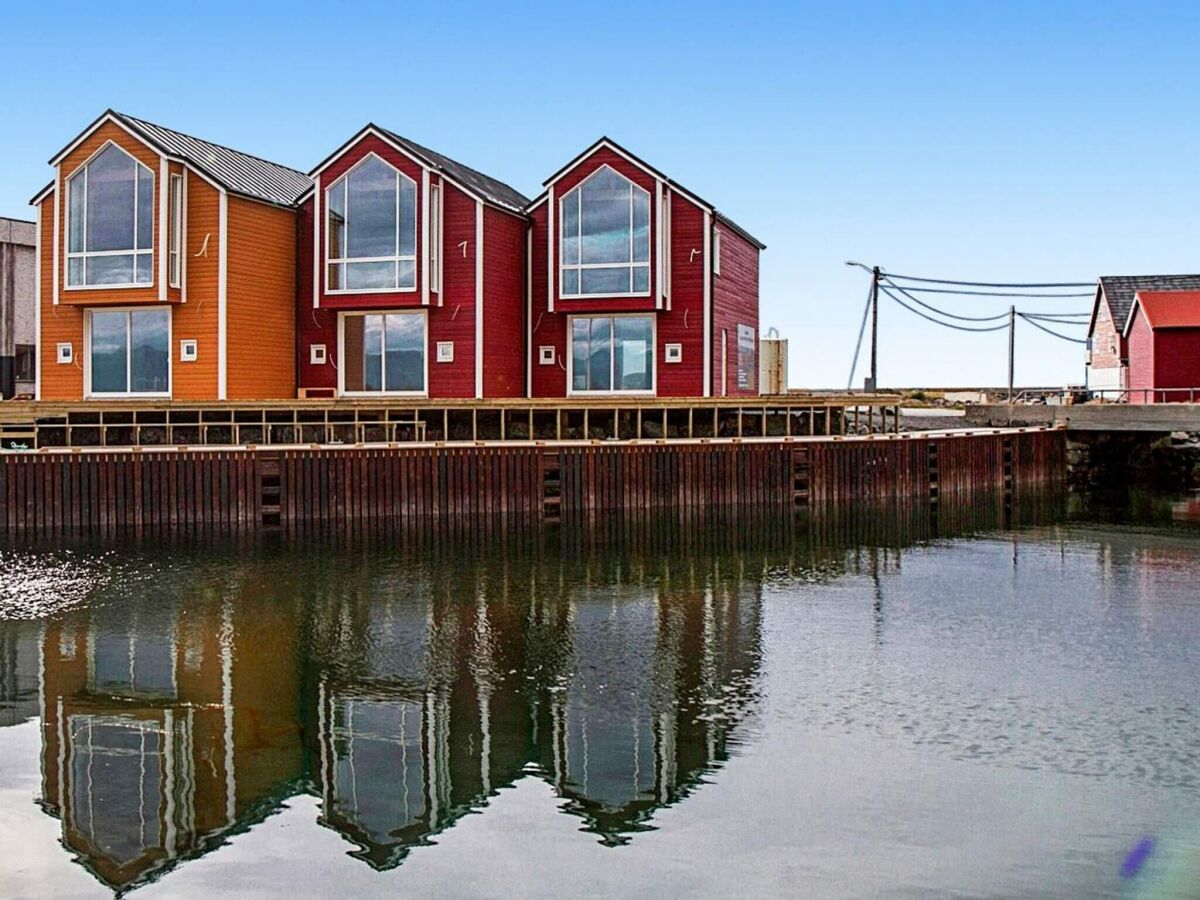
(1017,141)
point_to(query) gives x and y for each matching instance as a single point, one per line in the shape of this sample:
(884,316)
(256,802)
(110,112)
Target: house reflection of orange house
(162,730)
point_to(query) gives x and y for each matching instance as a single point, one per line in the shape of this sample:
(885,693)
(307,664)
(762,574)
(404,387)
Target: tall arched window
(110,222)
(605,234)
(372,229)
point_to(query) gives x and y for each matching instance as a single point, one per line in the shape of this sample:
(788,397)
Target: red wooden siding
(1177,362)
(549,329)
(504,350)
(1141,357)
(684,323)
(735,302)
(454,320)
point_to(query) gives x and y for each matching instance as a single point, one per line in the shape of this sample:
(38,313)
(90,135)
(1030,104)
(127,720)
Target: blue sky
(996,142)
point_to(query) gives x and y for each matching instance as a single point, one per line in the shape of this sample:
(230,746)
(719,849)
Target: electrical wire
(990,284)
(1058,320)
(942,312)
(1061,337)
(938,321)
(1037,296)
(858,347)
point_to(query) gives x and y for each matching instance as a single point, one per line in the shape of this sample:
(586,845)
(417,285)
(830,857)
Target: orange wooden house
(166,268)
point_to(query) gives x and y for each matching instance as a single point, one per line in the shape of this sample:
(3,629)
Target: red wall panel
(735,302)
(504,305)
(1141,358)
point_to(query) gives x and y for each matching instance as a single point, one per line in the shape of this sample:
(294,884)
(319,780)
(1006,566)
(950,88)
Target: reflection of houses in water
(404,701)
(157,739)
(19,643)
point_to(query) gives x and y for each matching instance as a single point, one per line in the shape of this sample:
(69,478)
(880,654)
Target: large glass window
(383,353)
(612,353)
(372,229)
(605,232)
(110,222)
(129,351)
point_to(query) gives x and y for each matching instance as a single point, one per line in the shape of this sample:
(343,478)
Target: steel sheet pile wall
(294,487)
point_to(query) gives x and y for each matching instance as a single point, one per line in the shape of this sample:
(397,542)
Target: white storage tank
(773,363)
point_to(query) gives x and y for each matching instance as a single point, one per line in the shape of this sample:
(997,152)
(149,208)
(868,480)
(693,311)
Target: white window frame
(435,238)
(570,354)
(88,393)
(175,232)
(563,267)
(342,362)
(81,172)
(716,251)
(342,182)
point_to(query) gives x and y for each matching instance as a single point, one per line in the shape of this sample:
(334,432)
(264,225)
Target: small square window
(673,353)
(66,354)
(316,354)
(546,356)
(445,351)
(188,350)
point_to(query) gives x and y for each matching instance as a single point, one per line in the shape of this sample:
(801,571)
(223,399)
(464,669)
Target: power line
(1038,296)
(942,312)
(991,284)
(1063,319)
(938,321)
(1061,337)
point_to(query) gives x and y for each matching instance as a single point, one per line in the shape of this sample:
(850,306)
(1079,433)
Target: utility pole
(1012,344)
(874,385)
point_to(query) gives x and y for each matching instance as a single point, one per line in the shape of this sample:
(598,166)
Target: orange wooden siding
(197,318)
(59,323)
(261,310)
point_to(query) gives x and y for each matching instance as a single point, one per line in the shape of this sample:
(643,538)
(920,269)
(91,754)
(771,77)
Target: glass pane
(570,281)
(604,209)
(75,271)
(75,194)
(605,281)
(634,342)
(110,269)
(405,370)
(145,209)
(641,225)
(336,198)
(109,348)
(600,356)
(408,274)
(580,338)
(570,229)
(111,671)
(372,353)
(154,664)
(335,277)
(408,218)
(371,210)
(144,268)
(151,350)
(641,278)
(370,276)
(110,187)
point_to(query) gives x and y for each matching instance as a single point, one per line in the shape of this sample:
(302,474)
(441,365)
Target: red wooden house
(637,286)
(1163,334)
(412,275)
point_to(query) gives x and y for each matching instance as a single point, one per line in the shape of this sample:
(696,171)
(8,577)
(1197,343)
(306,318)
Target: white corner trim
(424,236)
(222,294)
(163,249)
(479,299)
(550,250)
(317,267)
(37,293)
(528,312)
(708,310)
(57,257)
(183,243)
(658,255)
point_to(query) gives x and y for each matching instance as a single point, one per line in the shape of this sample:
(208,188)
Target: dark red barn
(1163,334)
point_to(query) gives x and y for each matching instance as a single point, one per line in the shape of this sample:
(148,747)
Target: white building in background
(18,309)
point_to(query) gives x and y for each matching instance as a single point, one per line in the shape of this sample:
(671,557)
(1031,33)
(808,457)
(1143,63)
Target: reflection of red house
(1163,332)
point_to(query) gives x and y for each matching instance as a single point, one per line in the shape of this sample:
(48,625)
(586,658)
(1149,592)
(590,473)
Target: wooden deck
(136,423)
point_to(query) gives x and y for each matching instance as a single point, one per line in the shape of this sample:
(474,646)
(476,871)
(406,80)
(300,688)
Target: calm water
(881,705)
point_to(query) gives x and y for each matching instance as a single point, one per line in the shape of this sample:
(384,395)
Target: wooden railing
(25,425)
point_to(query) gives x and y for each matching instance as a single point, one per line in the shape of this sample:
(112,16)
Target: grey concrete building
(18,308)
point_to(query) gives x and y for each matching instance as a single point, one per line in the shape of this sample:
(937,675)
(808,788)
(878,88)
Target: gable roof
(645,166)
(237,172)
(1118,292)
(490,189)
(1167,309)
